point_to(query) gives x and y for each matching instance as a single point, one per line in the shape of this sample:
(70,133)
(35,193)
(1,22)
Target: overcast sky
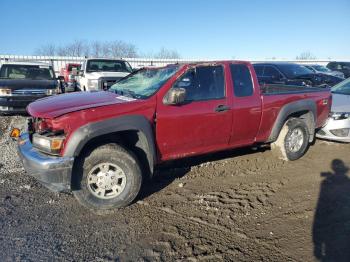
(222,29)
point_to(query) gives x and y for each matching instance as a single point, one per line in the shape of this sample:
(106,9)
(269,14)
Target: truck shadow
(166,173)
(331,227)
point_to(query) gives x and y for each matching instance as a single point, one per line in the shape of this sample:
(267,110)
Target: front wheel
(108,177)
(293,140)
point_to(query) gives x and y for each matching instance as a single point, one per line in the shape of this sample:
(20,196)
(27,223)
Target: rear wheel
(108,177)
(293,140)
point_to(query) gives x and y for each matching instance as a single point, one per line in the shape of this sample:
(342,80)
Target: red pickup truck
(102,145)
(69,78)
(66,71)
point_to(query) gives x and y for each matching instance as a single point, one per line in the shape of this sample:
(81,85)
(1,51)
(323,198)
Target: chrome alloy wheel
(295,141)
(106,180)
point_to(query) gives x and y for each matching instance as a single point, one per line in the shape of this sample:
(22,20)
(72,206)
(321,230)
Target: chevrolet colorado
(103,144)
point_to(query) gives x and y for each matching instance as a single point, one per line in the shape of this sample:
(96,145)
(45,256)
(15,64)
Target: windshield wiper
(125,92)
(129,92)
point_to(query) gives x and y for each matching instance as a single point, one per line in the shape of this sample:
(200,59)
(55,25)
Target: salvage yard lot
(241,205)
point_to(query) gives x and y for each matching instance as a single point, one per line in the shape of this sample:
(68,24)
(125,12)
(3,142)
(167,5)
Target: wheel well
(132,140)
(308,117)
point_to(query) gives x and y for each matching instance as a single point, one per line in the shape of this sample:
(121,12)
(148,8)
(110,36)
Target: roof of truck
(32,63)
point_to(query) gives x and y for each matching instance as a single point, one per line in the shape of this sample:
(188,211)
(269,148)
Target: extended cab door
(201,124)
(246,104)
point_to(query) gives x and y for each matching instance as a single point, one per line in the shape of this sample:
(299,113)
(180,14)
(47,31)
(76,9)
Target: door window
(203,83)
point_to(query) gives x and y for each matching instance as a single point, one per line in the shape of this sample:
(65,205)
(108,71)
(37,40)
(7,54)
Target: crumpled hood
(58,105)
(97,75)
(341,103)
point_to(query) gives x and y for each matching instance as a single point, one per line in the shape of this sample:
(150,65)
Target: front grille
(29,92)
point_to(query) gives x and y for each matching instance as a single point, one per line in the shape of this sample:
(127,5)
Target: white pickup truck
(101,74)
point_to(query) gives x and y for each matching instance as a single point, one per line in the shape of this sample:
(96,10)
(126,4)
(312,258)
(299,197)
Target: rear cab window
(242,80)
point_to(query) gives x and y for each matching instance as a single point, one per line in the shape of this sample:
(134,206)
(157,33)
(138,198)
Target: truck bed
(288,89)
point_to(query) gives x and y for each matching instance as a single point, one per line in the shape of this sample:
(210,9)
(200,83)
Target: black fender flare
(307,110)
(138,123)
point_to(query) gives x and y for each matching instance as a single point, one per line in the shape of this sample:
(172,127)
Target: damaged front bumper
(52,171)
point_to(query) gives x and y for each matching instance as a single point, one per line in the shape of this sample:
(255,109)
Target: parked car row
(294,74)
(319,69)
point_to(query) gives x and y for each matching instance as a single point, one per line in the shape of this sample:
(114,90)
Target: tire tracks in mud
(188,238)
(210,231)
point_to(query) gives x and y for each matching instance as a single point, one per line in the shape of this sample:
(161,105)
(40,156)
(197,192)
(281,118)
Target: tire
(293,140)
(99,189)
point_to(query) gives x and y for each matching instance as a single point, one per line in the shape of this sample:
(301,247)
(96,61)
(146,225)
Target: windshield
(34,72)
(108,66)
(321,68)
(293,70)
(342,88)
(145,82)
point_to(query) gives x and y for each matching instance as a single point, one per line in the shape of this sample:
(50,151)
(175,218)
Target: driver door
(203,122)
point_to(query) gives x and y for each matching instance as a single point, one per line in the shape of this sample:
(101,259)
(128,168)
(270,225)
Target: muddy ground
(234,206)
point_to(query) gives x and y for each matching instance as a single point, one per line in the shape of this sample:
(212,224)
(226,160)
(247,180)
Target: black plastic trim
(289,109)
(124,123)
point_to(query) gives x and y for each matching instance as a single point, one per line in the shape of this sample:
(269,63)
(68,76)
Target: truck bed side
(282,102)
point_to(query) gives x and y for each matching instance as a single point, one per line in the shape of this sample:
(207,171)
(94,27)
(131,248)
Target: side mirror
(175,96)
(81,73)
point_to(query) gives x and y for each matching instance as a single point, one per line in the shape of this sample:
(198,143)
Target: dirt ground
(242,205)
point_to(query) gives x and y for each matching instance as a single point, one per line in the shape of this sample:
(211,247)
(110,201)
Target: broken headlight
(48,144)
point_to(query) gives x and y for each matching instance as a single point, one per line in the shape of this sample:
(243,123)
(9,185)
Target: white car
(338,124)
(101,74)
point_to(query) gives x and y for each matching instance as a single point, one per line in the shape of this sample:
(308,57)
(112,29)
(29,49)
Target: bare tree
(120,49)
(77,48)
(96,49)
(110,49)
(48,49)
(307,55)
(105,49)
(167,54)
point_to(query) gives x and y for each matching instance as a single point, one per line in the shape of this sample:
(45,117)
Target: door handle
(222,108)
